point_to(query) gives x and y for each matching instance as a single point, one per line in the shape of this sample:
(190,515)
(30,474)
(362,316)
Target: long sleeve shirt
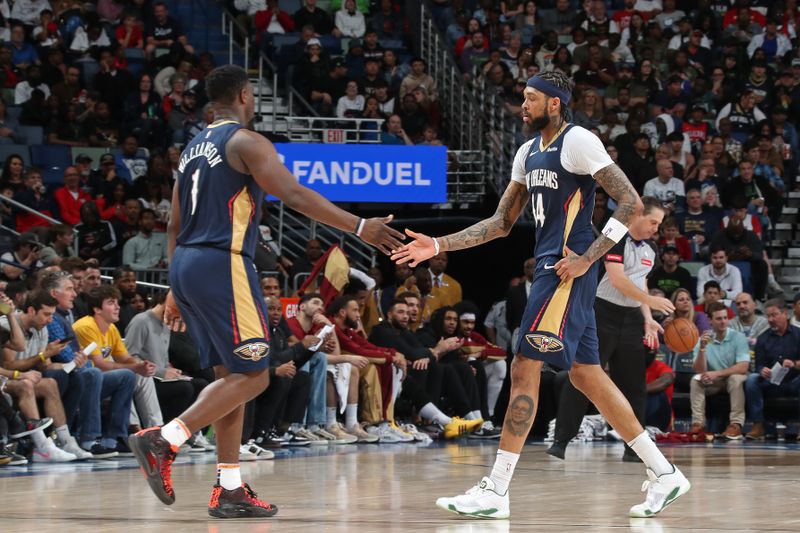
(142,252)
(772,348)
(402,340)
(148,337)
(351,342)
(69,204)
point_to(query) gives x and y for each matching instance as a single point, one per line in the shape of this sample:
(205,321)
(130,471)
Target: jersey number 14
(538,209)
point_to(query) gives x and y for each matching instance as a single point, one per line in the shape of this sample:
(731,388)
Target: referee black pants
(620,331)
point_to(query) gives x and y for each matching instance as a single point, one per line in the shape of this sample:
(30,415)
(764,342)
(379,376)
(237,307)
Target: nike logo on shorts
(549,267)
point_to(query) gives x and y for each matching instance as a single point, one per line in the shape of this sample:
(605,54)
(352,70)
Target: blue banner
(369,173)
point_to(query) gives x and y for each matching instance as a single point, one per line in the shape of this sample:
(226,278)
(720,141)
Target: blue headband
(549,89)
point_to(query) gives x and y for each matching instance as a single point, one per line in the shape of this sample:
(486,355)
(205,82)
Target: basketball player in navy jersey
(223,174)
(558,171)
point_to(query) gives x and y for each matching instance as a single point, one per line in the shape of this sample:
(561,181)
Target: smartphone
(68,339)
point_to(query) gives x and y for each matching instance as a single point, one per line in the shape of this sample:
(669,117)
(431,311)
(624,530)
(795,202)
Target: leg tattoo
(518,420)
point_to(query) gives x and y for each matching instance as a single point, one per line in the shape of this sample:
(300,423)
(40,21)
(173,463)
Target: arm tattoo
(616,184)
(508,210)
(520,415)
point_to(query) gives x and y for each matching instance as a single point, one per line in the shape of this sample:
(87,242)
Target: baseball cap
(669,248)
(190,92)
(28,238)
(313,41)
(107,158)
(354,43)
(336,63)
(83,157)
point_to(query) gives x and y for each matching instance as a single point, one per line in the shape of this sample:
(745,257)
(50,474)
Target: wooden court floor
(737,487)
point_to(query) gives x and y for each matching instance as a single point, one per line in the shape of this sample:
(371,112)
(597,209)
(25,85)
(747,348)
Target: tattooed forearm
(520,415)
(498,225)
(629,205)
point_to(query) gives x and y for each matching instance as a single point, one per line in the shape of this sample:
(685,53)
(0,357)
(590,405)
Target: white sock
(330,416)
(652,457)
(351,415)
(176,432)
(229,476)
(503,470)
(474,415)
(62,434)
(431,412)
(40,440)
(771,278)
(493,388)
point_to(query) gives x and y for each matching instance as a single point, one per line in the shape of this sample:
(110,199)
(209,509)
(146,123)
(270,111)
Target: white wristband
(360,227)
(435,245)
(615,230)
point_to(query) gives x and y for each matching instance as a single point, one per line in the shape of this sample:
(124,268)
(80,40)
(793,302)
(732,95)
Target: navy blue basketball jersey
(558,177)
(220,207)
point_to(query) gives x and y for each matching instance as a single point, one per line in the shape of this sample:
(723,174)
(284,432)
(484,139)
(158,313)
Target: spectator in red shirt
(71,197)
(671,236)
(660,380)
(732,16)
(129,34)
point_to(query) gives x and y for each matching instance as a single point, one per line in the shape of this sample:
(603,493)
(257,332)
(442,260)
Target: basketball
(681,335)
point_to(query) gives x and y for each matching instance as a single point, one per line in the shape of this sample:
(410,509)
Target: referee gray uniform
(620,332)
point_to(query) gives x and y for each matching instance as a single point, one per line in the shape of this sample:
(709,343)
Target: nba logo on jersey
(543,343)
(254,351)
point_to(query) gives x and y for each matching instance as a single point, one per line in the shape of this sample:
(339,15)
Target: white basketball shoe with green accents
(481,501)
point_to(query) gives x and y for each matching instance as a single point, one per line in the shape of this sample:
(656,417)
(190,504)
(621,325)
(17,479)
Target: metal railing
(466,175)
(503,136)
(38,214)
(229,24)
(340,130)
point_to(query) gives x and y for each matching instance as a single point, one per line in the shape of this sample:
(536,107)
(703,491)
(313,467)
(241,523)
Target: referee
(622,310)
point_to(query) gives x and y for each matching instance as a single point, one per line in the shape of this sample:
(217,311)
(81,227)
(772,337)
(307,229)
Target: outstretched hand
(417,251)
(378,234)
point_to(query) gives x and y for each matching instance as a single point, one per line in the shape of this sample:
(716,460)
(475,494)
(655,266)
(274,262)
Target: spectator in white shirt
(349,22)
(351,104)
(24,89)
(666,187)
(728,276)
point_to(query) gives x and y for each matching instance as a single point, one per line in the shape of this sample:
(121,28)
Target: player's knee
(578,377)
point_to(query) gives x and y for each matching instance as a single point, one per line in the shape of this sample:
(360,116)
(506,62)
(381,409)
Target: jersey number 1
(538,209)
(195,178)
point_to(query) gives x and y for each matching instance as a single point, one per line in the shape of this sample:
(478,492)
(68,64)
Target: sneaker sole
(681,491)
(105,455)
(241,512)
(494,515)
(153,476)
(28,432)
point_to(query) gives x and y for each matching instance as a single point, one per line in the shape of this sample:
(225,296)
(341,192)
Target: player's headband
(549,89)
(467,316)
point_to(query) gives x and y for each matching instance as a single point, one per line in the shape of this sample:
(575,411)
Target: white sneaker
(661,491)
(306,435)
(245,455)
(481,501)
(384,433)
(362,435)
(402,435)
(71,446)
(260,453)
(52,454)
(416,434)
(201,440)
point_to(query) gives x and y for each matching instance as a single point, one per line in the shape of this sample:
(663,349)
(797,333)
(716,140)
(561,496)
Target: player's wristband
(360,227)
(615,230)
(435,245)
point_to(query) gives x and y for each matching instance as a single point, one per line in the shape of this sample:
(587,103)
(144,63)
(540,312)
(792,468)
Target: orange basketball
(681,335)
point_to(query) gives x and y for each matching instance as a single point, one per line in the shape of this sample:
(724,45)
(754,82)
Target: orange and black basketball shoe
(238,503)
(155,456)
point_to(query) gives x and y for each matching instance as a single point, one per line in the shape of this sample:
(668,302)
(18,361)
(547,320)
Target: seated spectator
(111,354)
(670,236)
(53,384)
(430,136)
(131,166)
(113,83)
(371,46)
(36,197)
(474,56)
(270,21)
(354,58)
(66,130)
(312,69)
(666,187)
(755,189)
(148,337)
(9,128)
(71,197)
(154,199)
(385,99)
(37,111)
(589,109)
(124,280)
(739,213)
(351,104)
(705,173)
(394,133)
(778,345)
(144,115)
(325,92)
(102,128)
(596,71)
(413,117)
(164,32)
(387,23)
(96,237)
(129,34)
(745,246)
(419,78)
(670,276)
(60,247)
(712,292)
(721,360)
(13,173)
(126,226)
(349,21)
(311,15)
(743,116)
(23,54)
(33,81)
(101,439)
(747,321)
(660,379)
(372,77)
(147,249)
(86,43)
(527,22)
(728,276)
(25,254)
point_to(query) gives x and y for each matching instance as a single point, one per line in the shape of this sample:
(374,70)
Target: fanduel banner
(370,173)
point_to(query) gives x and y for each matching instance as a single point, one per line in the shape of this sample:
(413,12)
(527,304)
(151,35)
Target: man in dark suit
(518,296)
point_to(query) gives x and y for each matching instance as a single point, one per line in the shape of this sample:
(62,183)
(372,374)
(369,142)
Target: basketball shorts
(558,326)
(220,299)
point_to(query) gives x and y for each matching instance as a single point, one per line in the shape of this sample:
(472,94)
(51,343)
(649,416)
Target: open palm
(417,251)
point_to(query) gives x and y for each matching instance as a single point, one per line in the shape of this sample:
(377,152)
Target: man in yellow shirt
(111,353)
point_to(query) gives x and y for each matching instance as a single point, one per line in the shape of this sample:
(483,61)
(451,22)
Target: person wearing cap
(349,21)
(325,92)
(670,276)
(25,254)
(182,117)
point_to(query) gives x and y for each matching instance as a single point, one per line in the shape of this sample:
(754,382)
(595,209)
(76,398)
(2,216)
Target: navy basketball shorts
(219,296)
(558,326)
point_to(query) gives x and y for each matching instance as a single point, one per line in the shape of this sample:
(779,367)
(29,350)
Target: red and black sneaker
(155,455)
(238,503)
